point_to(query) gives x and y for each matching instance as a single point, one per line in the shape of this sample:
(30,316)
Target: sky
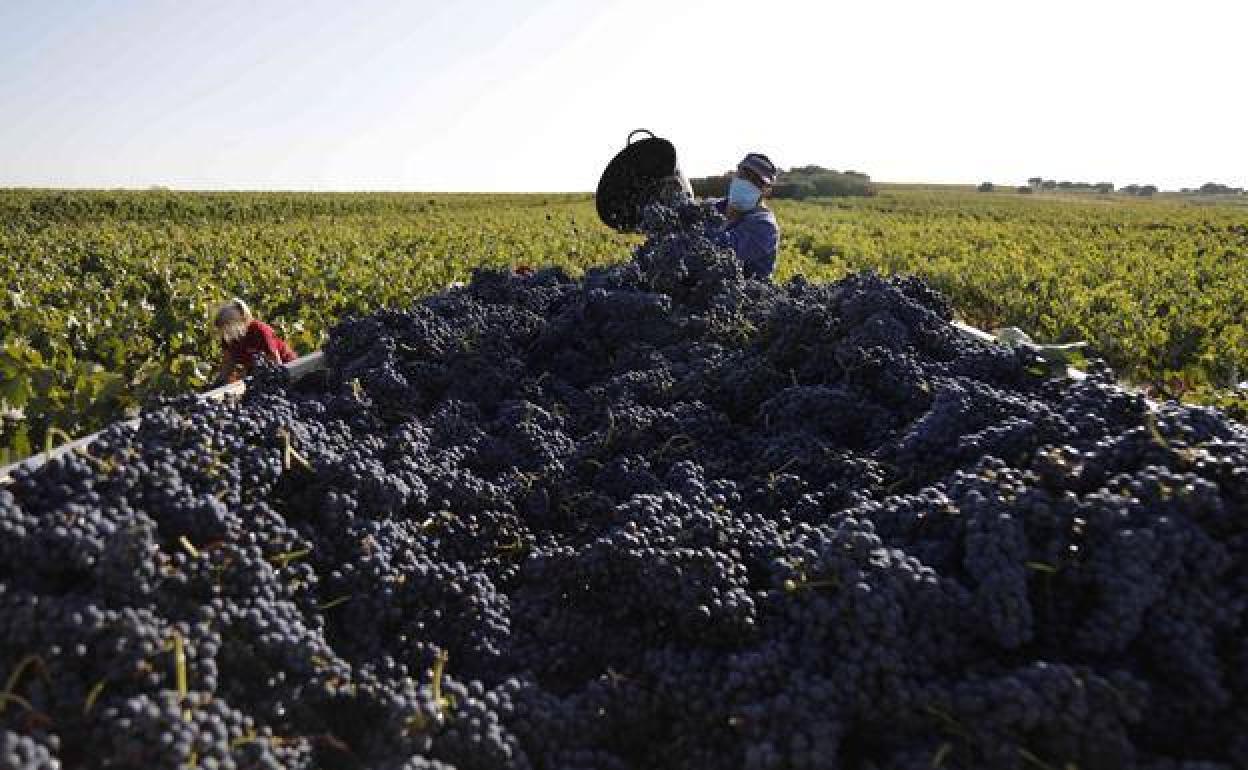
(538,95)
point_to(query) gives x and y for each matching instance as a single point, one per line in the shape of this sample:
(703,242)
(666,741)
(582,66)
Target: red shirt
(259,341)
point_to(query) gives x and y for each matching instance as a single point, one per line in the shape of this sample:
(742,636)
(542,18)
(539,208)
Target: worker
(246,341)
(751,230)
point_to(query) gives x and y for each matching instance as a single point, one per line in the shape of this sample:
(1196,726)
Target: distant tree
(1104,188)
(1023,189)
(1213,188)
(711,186)
(1049,184)
(797,183)
(1035,181)
(1066,185)
(796,189)
(986,187)
(842,184)
(1148,190)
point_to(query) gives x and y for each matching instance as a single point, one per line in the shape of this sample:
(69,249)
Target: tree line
(1213,188)
(797,183)
(1040,184)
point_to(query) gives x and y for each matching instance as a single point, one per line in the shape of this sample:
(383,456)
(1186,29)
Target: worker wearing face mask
(751,230)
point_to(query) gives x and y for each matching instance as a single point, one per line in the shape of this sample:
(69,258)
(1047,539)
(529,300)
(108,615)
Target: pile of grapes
(661,517)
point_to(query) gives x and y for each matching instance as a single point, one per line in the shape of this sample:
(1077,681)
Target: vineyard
(107,293)
(657,516)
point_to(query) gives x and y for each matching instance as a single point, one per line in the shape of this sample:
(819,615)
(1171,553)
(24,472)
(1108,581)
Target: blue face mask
(743,195)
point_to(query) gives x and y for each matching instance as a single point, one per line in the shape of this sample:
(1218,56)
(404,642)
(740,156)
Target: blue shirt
(755,237)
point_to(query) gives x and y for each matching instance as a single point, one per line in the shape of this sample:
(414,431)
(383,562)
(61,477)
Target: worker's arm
(227,372)
(755,241)
(266,340)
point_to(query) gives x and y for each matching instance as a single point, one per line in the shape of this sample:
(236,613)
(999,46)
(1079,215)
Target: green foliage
(986,187)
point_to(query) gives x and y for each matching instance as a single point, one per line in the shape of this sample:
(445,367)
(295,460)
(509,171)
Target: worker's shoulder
(762,218)
(258,329)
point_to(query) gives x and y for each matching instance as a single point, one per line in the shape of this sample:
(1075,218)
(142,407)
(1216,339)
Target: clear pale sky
(539,94)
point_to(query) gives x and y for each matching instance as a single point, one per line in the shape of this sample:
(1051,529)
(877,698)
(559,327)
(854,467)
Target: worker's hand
(228,376)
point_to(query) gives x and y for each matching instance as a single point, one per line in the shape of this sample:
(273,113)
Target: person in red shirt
(246,341)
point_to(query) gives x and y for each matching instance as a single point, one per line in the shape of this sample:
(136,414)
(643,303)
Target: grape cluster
(658,517)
